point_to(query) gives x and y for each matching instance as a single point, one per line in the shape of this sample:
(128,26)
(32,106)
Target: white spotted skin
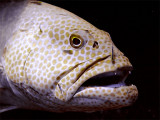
(36,63)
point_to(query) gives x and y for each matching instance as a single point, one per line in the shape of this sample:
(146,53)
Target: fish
(56,61)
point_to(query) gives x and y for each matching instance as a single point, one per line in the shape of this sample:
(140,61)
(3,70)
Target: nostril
(95,44)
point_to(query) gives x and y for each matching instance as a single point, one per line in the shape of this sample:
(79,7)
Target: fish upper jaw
(65,91)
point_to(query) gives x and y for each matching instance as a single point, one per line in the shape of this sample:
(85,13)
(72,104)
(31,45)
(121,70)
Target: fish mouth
(110,87)
(112,79)
(94,75)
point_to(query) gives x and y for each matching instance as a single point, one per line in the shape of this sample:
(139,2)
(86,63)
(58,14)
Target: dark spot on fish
(22,30)
(113,59)
(4,51)
(60,88)
(36,2)
(40,31)
(95,44)
(87,31)
(68,51)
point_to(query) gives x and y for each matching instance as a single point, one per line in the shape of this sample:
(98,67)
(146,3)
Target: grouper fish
(56,61)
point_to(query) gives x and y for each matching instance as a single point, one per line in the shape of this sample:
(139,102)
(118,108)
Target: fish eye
(76,41)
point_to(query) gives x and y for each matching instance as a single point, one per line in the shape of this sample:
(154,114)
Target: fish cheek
(45,68)
(39,71)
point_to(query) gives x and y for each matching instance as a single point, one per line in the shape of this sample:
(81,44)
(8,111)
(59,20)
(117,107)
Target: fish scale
(52,53)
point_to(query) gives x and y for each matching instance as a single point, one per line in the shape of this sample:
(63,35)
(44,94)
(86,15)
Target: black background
(134,28)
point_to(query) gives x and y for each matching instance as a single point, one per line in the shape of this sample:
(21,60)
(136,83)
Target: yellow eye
(76,41)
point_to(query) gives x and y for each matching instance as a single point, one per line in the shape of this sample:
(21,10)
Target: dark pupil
(76,41)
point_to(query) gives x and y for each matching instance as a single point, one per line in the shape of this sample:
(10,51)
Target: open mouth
(103,77)
(112,79)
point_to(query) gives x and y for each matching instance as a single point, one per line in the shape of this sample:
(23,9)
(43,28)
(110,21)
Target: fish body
(58,62)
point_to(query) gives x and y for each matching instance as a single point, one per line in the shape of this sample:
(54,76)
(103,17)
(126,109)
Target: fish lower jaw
(119,92)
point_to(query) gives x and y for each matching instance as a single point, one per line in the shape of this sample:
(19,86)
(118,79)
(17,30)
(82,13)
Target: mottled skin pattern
(52,53)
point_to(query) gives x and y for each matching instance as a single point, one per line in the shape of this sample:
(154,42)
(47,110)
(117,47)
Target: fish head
(68,60)
(87,64)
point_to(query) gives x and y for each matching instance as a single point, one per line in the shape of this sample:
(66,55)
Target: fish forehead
(37,50)
(58,25)
(48,17)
